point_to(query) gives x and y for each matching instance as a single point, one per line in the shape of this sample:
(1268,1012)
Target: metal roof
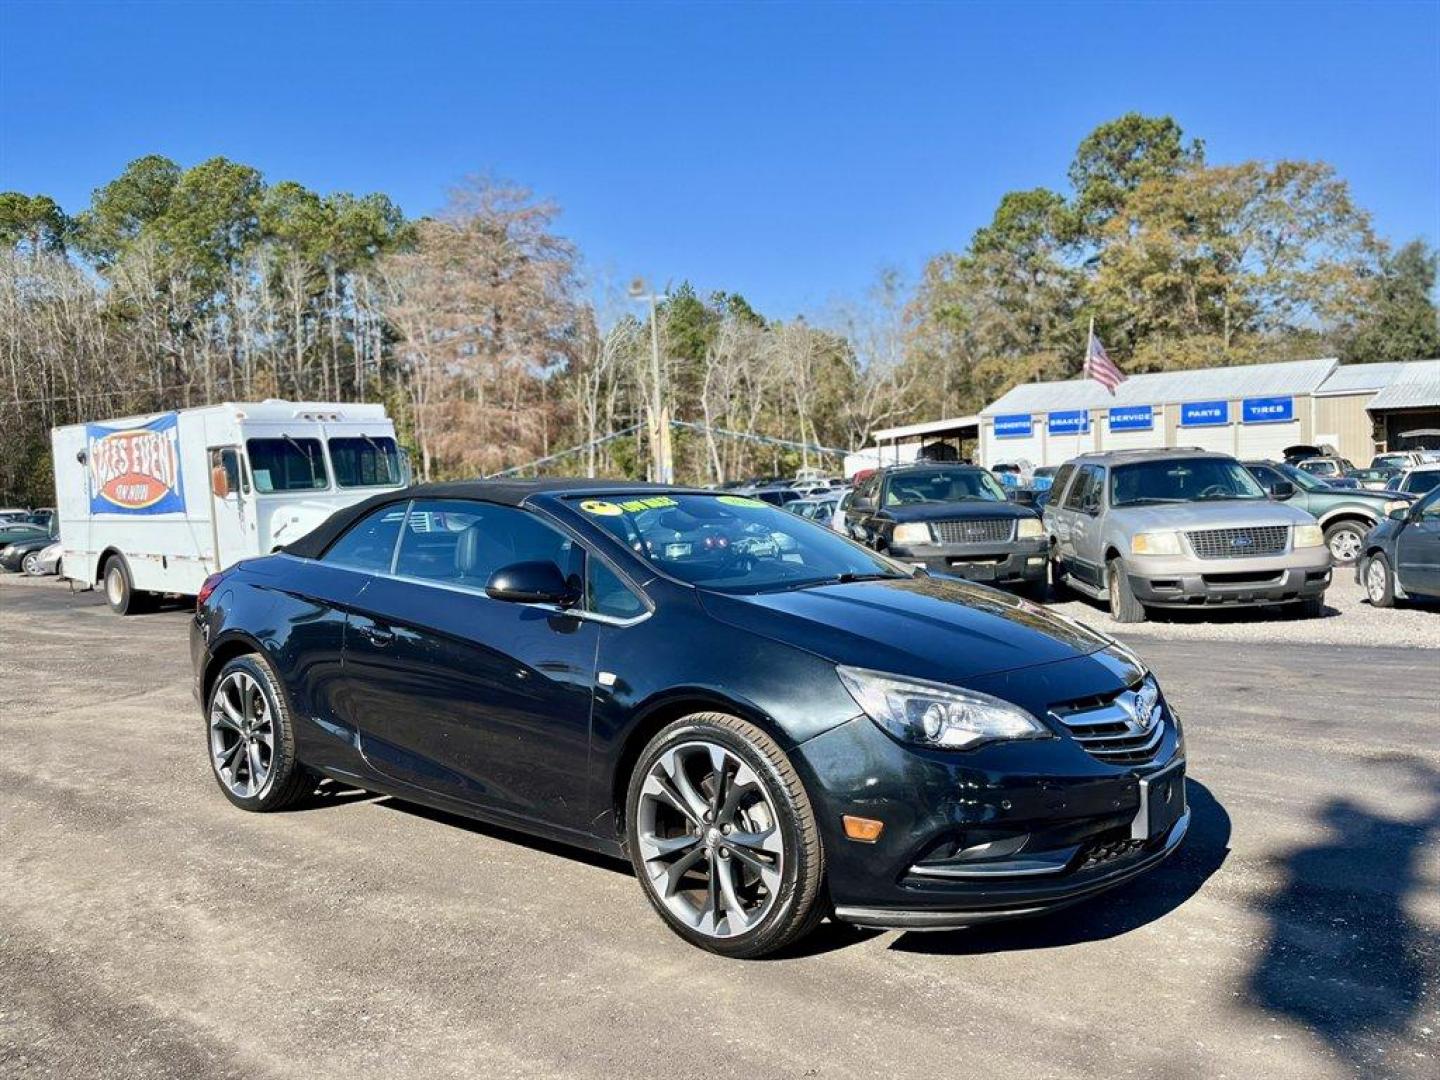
(930,427)
(1416,387)
(1168,387)
(1360,378)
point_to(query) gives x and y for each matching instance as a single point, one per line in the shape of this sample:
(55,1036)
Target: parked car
(1417,480)
(1178,528)
(1326,468)
(13,514)
(1346,516)
(12,531)
(48,560)
(1399,460)
(42,517)
(951,519)
(23,553)
(1372,479)
(775,496)
(819,508)
(1402,554)
(769,733)
(1043,477)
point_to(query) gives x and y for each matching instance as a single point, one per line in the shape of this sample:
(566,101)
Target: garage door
(1136,440)
(1268,440)
(1220,438)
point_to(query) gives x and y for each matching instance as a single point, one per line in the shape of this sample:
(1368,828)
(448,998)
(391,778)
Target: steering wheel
(1217,489)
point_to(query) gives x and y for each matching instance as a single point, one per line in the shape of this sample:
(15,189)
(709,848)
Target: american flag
(1100,367)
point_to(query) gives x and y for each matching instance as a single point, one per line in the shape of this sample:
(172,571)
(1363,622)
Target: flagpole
(1089,337)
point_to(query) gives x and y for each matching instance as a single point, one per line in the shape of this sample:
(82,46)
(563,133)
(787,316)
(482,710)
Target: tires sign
(1268,410)
(135,470)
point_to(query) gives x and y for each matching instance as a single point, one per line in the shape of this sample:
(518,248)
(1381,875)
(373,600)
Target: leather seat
(479,553)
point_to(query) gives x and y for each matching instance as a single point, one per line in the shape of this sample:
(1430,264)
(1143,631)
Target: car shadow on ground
(1203,613)
(1343,957)
(1119,911)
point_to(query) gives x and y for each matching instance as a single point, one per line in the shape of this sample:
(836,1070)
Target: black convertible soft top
(504,492)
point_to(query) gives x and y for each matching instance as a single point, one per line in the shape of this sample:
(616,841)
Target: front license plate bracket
(1162,803)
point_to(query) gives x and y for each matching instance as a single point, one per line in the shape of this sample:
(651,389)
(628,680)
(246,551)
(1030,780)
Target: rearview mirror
(1282,489)
(537,582)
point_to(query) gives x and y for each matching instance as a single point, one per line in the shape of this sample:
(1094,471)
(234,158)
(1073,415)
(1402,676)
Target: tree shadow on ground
(1344,958)
(1129,907)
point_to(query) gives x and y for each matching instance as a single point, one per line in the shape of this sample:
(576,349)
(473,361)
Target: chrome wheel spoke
(768,840)
(769,873)
(735,914)
(676,871)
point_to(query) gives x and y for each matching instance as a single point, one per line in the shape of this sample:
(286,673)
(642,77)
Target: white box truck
(154,504)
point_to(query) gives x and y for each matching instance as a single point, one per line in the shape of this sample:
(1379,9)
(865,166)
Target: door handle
(378,635)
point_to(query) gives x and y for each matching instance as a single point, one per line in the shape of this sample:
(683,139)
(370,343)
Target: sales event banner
(135,470)
(1069,422)
(1204,413)
(1014,426)
(1131,418)
(1267,410)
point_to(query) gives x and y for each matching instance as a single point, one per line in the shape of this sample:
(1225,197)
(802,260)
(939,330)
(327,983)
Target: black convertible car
(772,722)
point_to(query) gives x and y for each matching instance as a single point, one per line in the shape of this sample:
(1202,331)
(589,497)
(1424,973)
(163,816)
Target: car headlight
(1155,543)
(1030,529)
(913,533)
(933,714)
(1395,504)
(7,551)
(1309,536)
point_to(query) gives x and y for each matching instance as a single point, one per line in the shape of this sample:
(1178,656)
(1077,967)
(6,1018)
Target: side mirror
(1282,489)
(219,482)
(1400,513)
(1023,496)
(1091,508)
(530,583)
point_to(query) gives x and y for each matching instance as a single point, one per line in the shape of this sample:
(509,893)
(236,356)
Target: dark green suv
(1346,514)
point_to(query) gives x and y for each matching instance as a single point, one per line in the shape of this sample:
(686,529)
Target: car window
(1267,476)
(865,494)
(941,485)
(1062,477)
(1421,482)
(369,544)
(1429,506)
(461,542)
(287,464)
(606,594)
(363,461)
(731,543)
(1084,488)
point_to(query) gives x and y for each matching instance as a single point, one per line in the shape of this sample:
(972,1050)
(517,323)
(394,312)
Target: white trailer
(154,504)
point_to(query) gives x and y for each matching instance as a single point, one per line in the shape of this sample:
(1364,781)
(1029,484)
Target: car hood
(928,627)
(1219,514)
(957,511)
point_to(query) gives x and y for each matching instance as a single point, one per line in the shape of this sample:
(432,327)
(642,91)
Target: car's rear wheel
(1346,540)
(120,591)
(1124,608)
(1379,584)
(251,739)
(723,837)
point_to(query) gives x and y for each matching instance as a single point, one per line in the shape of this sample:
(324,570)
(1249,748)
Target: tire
(1312,607)
(1379,581)
(31,565)
(250,740)
(1038,591)
(1346,541)
(762,798)
(1058,589)
(1124,608)
(120,591)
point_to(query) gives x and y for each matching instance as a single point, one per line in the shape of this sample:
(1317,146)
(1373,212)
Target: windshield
(1182,480)
(732,543)
(1302,479)
(365,461)
(1422,481)
(941,486)
(287,464)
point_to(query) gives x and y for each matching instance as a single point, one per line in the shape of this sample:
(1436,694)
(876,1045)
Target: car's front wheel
(723,837)
(1379,584)
(1345,539)
(1124,608)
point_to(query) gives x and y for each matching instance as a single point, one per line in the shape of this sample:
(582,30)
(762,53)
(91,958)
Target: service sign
(1268,410)
(1132,418)
(1014,426)
(1069,422)
(135,470)
(1204,413)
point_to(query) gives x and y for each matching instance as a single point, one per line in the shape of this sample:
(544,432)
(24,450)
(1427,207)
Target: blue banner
(1014,426)
(1267,410)
(135,470)
(1069,422)
(1204,413)
(1132,418)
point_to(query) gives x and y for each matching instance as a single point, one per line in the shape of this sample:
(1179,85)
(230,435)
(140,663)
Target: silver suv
(1179,528)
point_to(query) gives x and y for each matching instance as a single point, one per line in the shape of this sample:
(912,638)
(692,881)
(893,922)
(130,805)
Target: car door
(230,517)
(476,699)
(1417,548)
(860,514)
(1081,508)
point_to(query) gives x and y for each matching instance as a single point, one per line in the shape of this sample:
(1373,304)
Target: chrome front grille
(974,530)
(1238,543)
(1124,729)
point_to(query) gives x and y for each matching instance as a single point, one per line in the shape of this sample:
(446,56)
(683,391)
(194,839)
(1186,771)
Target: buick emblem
(1141,706)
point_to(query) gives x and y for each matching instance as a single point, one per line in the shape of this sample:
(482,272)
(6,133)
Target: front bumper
(1012,562)
(1072,816)
(1187,582)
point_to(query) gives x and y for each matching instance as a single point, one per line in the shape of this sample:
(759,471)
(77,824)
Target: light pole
(662,468)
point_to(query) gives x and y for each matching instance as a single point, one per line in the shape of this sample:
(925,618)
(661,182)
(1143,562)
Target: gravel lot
(148,929)
(1348,620)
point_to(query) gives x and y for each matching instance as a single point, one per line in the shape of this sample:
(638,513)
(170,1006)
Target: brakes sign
(135,470)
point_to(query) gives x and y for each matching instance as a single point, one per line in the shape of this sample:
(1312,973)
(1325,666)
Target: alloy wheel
(1375,581)
(31,565)
(1345,545)
(710,839)
(242,735)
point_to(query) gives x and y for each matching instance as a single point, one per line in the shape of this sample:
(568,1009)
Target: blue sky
(788,152)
